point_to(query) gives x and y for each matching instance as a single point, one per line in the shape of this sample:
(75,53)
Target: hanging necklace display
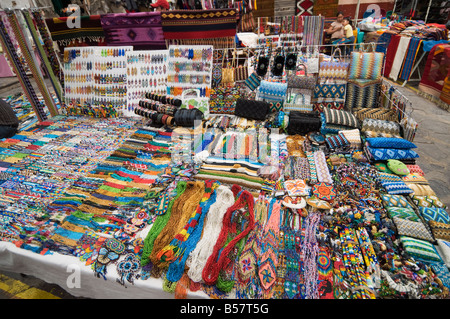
(43,56)
(146,72)
(20,71)
(18,26)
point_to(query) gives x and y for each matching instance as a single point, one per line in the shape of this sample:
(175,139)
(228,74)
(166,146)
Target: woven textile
(440,230)
(61,31)
(390,54)
(304,7)
(439,215)
(199,24)
(412,229)
(362,94)
(313,29)
(420,248)
(399,57)
(436,70)
(410,58)
(143,30)
(366,65)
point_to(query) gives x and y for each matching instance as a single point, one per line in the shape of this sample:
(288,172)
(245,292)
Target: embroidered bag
(253,81)
(298,102)
(222,100)
(227,71)
(337,70)
(366,65)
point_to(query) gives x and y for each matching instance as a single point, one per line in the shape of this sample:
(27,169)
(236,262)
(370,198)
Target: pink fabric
(5,70)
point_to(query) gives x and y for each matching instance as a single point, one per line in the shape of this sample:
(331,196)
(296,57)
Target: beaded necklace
(197,259)
(226,242)
(160,223)
(310,251)
(181,211)
(291,226)
(193,231)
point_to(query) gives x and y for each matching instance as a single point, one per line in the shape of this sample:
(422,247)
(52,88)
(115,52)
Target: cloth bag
(251,109)
(227,71)
(337,70)
(365,65)
(222,100)
(298,102)
(273,93)
(302,123)
(295,81)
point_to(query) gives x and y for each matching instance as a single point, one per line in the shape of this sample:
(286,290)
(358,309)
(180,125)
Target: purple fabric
(143,30)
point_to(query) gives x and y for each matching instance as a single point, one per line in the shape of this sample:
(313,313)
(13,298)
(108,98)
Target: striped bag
(362,94)
(366,65)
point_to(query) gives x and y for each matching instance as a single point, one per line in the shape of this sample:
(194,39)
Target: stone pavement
(433,142)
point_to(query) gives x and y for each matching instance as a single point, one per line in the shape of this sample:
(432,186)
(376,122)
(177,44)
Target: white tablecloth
(62,270)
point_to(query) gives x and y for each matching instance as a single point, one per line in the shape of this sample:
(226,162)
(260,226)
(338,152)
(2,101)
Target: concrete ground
(432,140)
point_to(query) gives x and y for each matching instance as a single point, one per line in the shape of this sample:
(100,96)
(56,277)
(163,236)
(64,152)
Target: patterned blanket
(199,24)
(143,30)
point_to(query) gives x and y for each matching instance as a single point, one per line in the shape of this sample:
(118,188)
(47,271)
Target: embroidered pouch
(380,154)
(414,178)
(395,201)
(440,230)
(420,248)
(421,189)
(428,201)
(390,142)
(434,213)
(397,167)
(412,229)
(404,213)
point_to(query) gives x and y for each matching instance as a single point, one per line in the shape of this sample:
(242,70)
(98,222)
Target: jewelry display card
(96,75)
(190,71)
(146,72)
(190,67)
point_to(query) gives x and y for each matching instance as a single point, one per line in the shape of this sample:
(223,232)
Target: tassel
(182,287)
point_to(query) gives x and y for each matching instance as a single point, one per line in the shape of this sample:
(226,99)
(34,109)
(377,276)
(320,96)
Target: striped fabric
(366,65)
(410,57)
(340,117)
(362,94)
(420,248)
